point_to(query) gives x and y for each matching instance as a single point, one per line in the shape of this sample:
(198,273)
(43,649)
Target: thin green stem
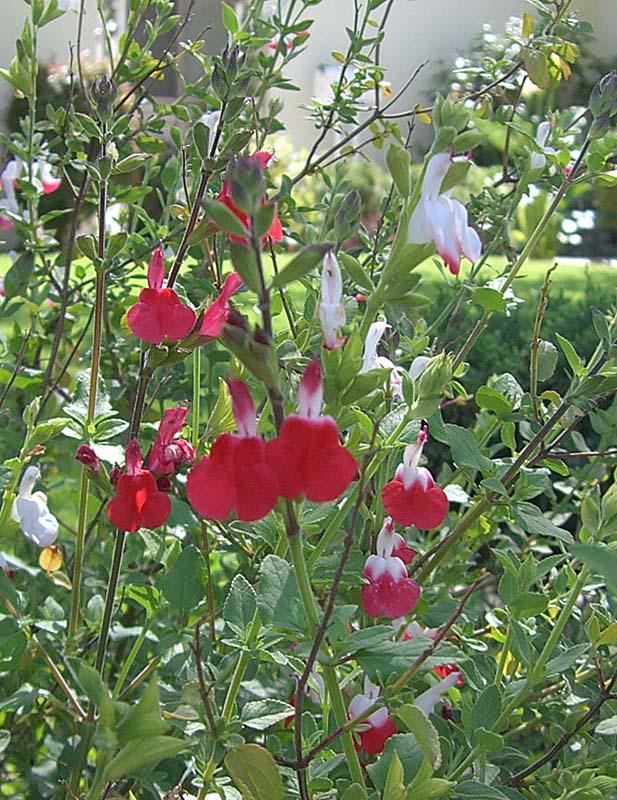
(238,674)
(196,396)
(130,659)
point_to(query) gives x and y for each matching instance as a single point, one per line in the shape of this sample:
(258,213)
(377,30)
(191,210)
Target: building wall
(418,30)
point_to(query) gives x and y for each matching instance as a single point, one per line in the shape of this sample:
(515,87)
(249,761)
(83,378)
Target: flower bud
(347,217)
(163,484)
(247,185)
(436,375)
(86,456)
(104,96)
(603,98)
(114,475)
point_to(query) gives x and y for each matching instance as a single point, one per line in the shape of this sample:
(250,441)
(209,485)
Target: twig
(204,691)
(605,694)
(535,341)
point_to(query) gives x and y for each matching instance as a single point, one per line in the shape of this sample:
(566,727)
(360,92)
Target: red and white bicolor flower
(538,159)
(307,454)
(159,314)
(215,316)
(372,733)
(389,591)
(30,510)
(412,498)
(235,476)
(427,701)
(49,181)
(391,543)
(415,629)
(331,311)
(169,451)
(441,219)
(137,502)
(370,359)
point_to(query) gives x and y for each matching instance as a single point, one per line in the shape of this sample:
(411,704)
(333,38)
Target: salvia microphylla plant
(270,564)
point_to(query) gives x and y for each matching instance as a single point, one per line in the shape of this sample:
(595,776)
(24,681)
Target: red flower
(159,313)
(235,476)
(138,503)
(373,733)
(412,497)
(307,454)
(390,592)
(216,314)
(275,231)
(448,669)
(168,453)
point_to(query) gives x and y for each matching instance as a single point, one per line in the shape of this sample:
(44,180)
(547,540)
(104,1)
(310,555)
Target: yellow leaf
(338,56)
(51,559)
(529,25)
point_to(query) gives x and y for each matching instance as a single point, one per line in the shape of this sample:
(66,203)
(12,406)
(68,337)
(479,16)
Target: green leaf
(91,682)
(224,218)
(356,271)
(566,659)
(394,788)
(485,711)
(253,769)
(245,264)
(405,746)
(537,68)
(141,753)
(12,643)
(262,714)
(424,732)
(532,520)
(489,299)
(466,450)
(87,246)
(363,639)
(17,279)
(488,740)
(230,21)
(547,360)
(398,161)
(355,792)
(240,605)
(491,399)
(131,163)
(144,719)
(478,791)
(529,25)
(608,635)
(572,357)
(5,738)
(278,598)
(528,604)
(299,266)
(184,584)
(47,430)
(608,727)
(602,560)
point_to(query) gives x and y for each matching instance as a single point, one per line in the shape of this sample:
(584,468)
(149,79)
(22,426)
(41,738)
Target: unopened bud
(603,98)
(86,456)
(246,180)
(163,484)
(104,96)
(114,475)
(347,217)
(434,378)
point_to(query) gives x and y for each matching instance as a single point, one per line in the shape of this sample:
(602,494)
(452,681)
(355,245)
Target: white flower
(418,365)
(538,160)
(427,701)
(210,119)
(443,220)
(31,512)
(331,310)
(10,174)
(370,359)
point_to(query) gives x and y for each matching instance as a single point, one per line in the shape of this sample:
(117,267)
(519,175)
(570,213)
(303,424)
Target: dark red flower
(412,498)
(275,231)
(168,453)
(235,476)
(215,316)
(159,313)
(307,454)
(86,456)
(137,503)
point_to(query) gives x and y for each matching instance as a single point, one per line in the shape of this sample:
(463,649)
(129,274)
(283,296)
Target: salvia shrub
(247,548)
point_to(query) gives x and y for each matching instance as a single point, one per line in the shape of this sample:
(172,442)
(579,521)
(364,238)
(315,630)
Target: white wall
(419,30)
